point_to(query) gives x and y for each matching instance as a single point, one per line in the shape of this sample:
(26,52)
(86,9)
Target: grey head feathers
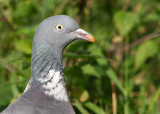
(47,32)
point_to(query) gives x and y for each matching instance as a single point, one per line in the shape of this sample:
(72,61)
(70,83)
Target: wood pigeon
(46,91)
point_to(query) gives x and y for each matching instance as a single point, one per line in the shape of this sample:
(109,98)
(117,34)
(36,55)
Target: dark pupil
(59,27)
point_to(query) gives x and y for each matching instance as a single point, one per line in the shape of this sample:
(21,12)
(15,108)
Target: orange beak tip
(91,38)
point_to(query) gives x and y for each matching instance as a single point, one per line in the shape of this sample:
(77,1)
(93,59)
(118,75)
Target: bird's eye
(59,27)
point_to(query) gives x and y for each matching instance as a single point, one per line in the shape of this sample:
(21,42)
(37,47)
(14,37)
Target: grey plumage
(46,91)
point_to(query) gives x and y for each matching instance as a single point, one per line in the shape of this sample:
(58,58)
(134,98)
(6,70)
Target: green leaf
(5,95)
(96,50)
(25,9)
(143,107)
(90,70)
(145,51)
(152,17)
(79,106)
(27,30)
(14,88)
(112,75)
(102,61)
(73,71)
(153,101)
(23,46)
(15,98)
(84,96)
(125,21)
(94,108)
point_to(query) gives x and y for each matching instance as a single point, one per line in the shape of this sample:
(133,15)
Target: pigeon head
(46,91)
(59,31)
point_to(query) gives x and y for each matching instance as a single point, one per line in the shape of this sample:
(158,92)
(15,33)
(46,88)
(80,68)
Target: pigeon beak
(82,34)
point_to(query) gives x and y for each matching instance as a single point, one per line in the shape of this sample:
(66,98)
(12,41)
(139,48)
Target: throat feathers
(48,72)
(53,85)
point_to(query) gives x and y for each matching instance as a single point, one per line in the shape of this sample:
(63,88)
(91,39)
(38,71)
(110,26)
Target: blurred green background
(117,74)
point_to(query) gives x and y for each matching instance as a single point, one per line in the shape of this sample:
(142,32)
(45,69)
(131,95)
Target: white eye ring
(59,27)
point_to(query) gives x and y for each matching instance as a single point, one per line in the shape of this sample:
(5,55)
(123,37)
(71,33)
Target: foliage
(108,76)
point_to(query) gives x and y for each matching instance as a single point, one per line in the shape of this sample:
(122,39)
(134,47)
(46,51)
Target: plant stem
(126,107)
(114,101)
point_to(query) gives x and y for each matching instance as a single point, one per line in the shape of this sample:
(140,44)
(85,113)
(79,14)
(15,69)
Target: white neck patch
(53,86)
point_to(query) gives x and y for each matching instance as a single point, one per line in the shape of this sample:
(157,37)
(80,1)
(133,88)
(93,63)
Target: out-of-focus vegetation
(119,73)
